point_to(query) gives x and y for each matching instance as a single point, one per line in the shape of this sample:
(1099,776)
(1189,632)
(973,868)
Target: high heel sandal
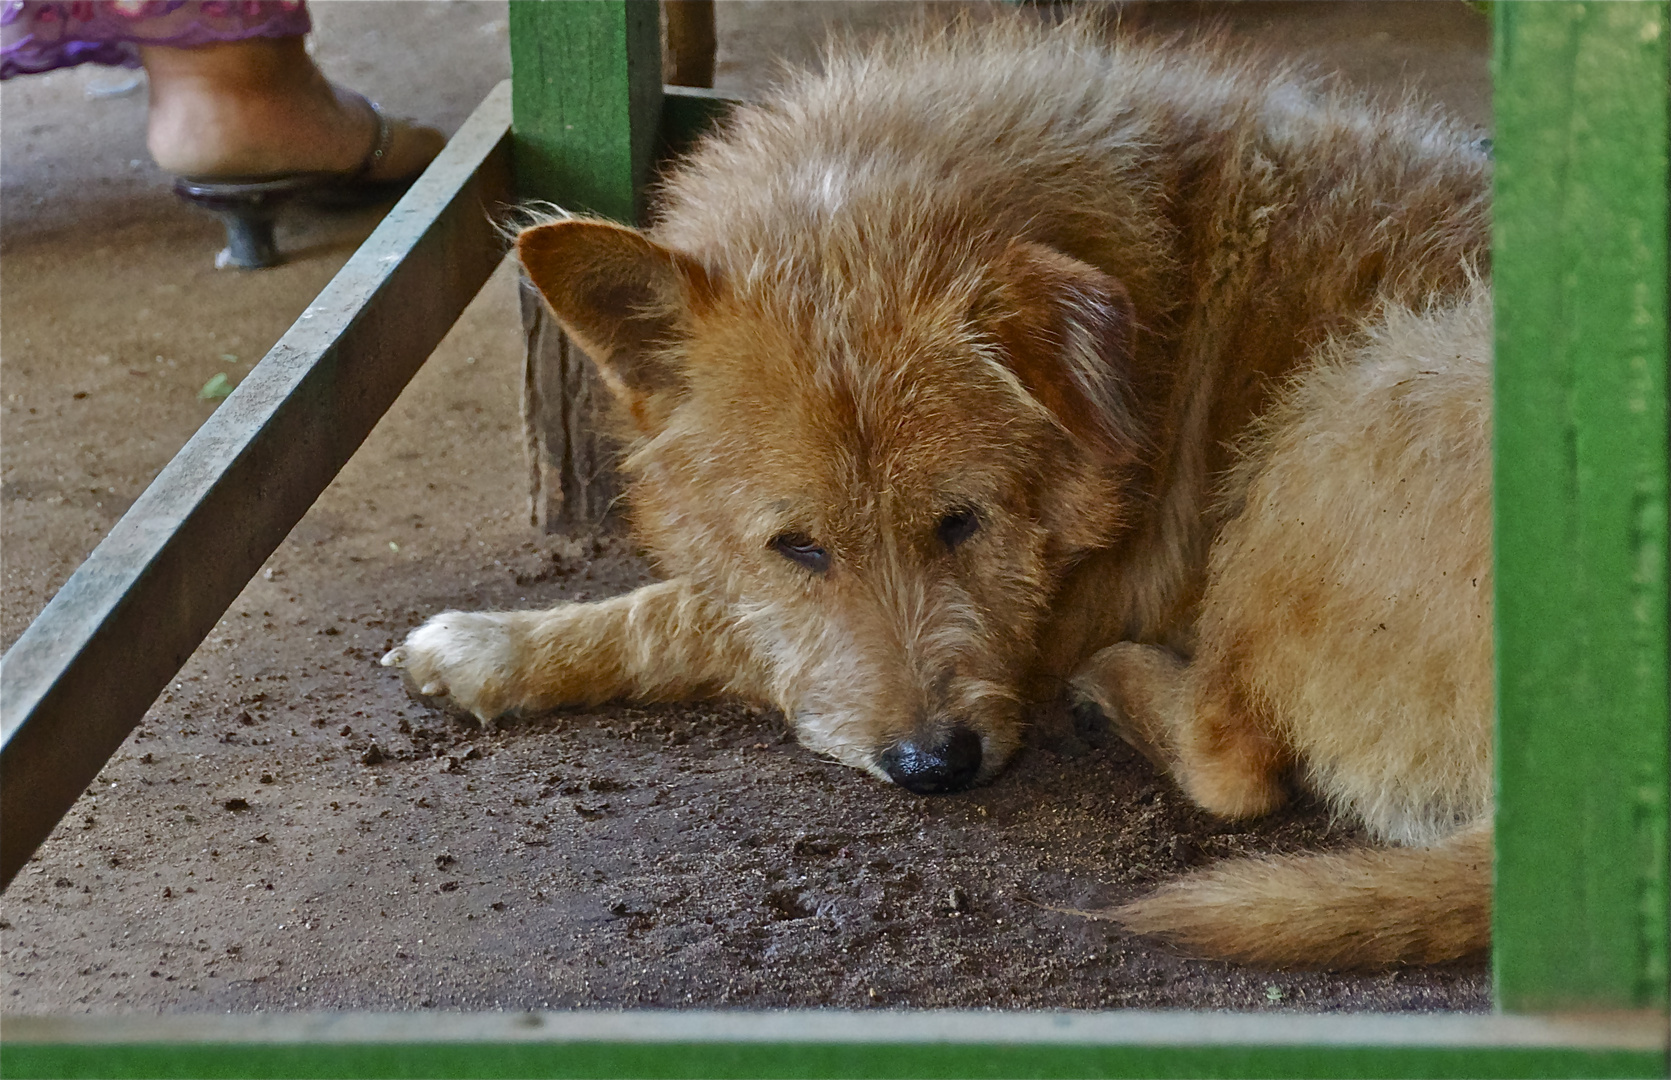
(248,205)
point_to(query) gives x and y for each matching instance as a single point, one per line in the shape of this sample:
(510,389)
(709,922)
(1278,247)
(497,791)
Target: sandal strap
(379,145)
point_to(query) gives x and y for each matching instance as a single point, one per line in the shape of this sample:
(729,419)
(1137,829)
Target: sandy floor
(286,830)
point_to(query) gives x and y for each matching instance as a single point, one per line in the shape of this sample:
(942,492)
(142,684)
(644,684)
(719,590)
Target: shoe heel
(249,240)
(246,209)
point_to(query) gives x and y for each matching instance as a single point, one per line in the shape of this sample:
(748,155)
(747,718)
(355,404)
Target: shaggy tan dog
(996,361)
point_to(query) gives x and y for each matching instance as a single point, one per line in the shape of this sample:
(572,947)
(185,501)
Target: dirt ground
(287,830)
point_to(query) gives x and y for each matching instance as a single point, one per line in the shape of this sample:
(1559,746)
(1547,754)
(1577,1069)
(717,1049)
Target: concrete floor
(697,841)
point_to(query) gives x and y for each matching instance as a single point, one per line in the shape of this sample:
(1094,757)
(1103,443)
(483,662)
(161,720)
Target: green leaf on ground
(216,388)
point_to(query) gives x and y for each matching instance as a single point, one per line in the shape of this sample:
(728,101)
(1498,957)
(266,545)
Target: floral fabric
(37,35)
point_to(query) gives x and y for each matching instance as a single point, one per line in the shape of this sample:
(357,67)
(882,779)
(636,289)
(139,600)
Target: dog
(995,364)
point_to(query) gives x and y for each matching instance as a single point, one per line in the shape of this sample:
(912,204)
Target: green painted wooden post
(1580,272)
(586,102)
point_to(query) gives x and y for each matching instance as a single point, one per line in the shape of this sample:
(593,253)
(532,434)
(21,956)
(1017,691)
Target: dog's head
(882,472)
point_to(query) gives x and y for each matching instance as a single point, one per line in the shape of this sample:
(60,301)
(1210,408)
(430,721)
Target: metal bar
(83,674)
(1581,490)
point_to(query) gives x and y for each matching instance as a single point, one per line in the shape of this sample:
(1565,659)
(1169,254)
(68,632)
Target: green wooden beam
(835,1043)
(84,672)
(675,1060)
(1580,277)
(586,102)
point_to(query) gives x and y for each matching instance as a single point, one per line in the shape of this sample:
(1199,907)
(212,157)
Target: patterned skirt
(40,35)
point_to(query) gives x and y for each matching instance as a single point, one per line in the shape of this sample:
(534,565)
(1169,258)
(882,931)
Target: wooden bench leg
(688,42)
(574,485)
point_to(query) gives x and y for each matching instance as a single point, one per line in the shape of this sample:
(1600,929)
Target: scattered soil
(287,830)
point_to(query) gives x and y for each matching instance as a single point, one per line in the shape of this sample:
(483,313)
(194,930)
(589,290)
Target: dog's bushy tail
(1367,908)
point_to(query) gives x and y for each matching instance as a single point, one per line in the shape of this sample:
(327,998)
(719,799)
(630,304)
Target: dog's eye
(957,526)
(799,547)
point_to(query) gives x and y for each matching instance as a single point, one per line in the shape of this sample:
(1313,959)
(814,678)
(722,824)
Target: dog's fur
(996,361)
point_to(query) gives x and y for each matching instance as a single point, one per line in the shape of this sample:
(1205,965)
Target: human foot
(261,108)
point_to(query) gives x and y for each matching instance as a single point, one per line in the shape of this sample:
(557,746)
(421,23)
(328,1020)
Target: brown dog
(994,361)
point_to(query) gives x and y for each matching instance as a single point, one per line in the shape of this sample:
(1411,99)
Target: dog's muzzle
(934,765)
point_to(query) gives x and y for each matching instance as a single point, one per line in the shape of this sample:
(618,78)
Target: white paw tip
(394,658)
(432,688)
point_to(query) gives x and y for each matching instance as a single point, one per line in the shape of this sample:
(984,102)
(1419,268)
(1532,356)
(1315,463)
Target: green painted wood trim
(811,1060)
(1580,276)
(586,102)
(808,1043)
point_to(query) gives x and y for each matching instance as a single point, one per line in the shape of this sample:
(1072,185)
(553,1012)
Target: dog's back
(1349,603)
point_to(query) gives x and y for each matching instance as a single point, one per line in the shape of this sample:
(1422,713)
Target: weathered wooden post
(587,115)
(585,112)
(690,44)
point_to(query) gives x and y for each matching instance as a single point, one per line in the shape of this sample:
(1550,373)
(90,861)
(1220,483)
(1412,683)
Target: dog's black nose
(935,766)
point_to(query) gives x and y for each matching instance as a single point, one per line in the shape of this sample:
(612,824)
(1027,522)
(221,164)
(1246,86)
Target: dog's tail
(1367,908)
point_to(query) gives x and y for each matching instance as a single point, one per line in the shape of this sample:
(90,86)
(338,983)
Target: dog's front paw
(473,659)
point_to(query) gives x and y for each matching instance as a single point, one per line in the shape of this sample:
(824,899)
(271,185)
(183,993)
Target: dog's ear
(624,300)
(1066,331)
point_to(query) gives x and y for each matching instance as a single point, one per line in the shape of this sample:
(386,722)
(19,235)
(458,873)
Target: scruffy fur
(1000,363)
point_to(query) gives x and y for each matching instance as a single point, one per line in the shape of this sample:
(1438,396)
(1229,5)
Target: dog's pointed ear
(1066,331)
(625,300)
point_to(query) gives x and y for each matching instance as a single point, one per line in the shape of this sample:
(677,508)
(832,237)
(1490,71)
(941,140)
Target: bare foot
(261,108)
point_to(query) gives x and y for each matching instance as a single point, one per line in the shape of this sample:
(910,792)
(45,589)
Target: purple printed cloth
(38,35)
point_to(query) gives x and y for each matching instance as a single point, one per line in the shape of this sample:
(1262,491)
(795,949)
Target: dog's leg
(1139,689)
(663,642)
(1191,721)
